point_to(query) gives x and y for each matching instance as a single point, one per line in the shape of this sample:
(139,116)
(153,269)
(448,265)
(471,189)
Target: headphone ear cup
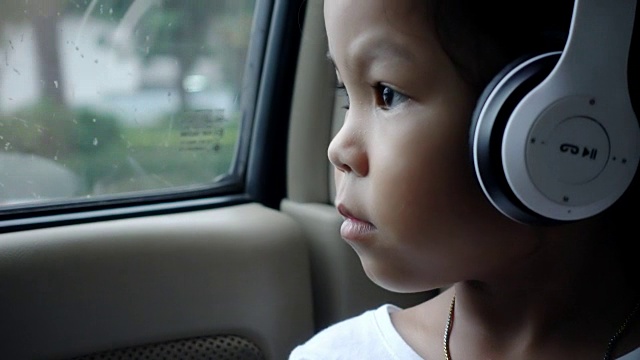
(490,117)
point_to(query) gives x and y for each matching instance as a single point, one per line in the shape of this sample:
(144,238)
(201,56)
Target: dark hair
(482,37)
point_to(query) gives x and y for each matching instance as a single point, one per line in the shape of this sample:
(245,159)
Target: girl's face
(414,213)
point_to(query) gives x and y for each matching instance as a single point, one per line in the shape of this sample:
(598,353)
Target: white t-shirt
(370,336)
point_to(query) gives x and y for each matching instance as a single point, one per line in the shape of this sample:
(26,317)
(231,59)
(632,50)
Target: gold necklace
(607,355)
(447,329)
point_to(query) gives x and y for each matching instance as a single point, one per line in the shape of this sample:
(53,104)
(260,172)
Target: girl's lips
(352,228)
(356,230)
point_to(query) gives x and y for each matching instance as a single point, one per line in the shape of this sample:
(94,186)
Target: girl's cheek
(337,177)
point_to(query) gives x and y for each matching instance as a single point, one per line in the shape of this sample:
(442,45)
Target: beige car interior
(244,280)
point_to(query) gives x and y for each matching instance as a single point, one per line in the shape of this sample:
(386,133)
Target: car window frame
(258,173)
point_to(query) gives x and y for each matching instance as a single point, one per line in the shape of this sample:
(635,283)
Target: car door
(164,187)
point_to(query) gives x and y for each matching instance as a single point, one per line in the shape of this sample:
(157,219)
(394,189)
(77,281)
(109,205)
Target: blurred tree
(231,34)
(189,30)
(182,30)
(178,29)
(44,15)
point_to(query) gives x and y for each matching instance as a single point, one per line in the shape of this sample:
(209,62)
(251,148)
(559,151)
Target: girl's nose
(347,151)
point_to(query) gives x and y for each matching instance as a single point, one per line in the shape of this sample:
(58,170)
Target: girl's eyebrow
(388,48)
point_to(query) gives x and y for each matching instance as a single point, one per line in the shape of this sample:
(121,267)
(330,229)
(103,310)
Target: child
(414,213)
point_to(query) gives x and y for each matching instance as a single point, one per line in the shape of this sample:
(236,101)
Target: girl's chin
(394,280)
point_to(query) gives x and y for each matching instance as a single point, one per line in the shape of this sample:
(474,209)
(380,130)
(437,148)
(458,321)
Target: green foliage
(112,159)
(42,129)
(48,129)
(154,160)
(93,131)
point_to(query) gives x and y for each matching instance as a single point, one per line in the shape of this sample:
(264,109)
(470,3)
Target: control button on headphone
(574,152)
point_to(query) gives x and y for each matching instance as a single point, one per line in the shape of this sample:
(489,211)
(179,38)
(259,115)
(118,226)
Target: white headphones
(554,137)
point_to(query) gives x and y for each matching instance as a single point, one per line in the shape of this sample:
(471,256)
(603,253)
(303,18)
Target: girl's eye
(388,98)
(342,90)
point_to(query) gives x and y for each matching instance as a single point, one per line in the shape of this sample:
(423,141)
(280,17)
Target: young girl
(414,213)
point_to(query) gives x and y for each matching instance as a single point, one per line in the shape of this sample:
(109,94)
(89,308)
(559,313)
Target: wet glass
(100,98)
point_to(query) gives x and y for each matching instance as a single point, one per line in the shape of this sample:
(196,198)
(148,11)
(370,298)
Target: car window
(102,99)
